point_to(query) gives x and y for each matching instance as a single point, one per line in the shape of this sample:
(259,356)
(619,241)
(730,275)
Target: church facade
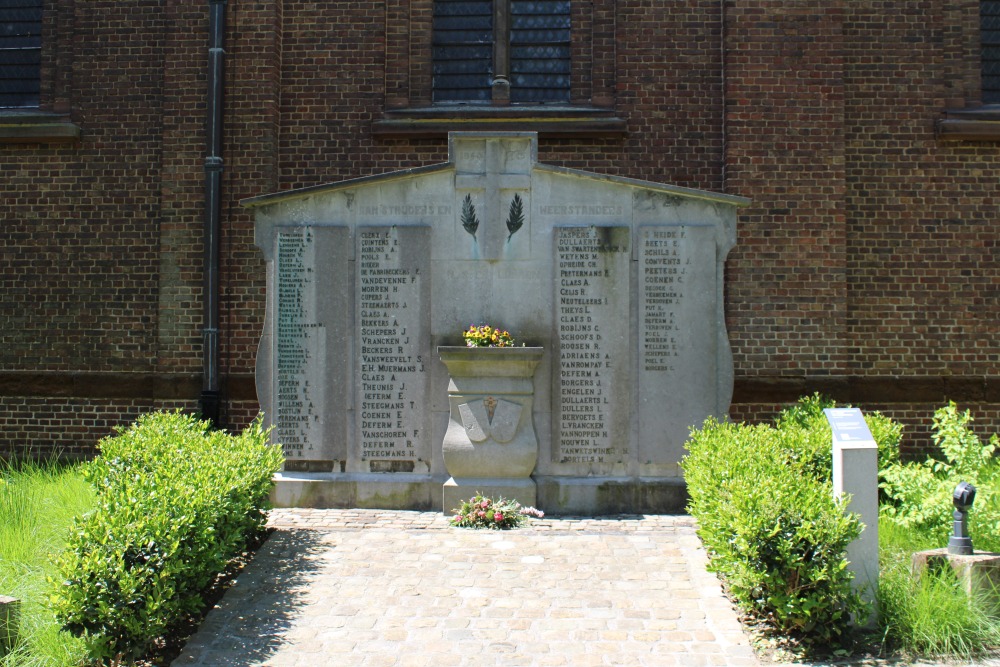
(865,133)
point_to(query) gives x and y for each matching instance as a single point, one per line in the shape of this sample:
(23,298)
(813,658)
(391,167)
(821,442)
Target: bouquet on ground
(498,514)
(487,336)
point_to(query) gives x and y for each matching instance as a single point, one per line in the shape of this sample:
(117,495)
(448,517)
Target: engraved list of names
(663,271)
(393,332)
(678,334)
(299,341)
(592,388)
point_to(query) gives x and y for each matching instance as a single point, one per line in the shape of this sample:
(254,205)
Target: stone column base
(455,491)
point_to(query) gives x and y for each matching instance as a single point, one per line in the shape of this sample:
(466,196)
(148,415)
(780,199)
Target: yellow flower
(486,335)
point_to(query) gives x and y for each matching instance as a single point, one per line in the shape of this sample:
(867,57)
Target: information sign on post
(855,472)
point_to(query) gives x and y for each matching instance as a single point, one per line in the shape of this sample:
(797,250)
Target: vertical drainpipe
(725,90)
(210,400)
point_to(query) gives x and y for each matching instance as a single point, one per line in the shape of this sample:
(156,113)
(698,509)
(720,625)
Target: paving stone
(357,587)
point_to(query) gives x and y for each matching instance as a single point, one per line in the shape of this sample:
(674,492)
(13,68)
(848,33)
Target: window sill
(548,121)
(972,124)
(31,126)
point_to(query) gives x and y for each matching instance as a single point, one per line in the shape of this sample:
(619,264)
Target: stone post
(855,472)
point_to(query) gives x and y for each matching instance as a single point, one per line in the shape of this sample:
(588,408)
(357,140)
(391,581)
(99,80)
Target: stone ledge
(973,124)
(390,491)
(304,518)
(113,384)
(868,389)
(36,127)
(547,121)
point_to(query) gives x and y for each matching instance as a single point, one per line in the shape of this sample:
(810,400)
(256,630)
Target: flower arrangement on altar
(487,336)
(498,514)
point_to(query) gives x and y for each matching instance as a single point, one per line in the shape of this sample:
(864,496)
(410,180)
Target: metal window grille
(20,52)
(539,48)
(539,51)
(989,14)
(462,50)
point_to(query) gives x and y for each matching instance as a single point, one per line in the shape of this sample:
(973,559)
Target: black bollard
(960,543)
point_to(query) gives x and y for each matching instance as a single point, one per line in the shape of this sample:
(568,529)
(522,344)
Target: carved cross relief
(492,180)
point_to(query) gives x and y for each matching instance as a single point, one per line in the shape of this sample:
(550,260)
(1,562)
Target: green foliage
(932,614)
(964,453)
(767,516)
(919,495)
(176,502)
(807,432)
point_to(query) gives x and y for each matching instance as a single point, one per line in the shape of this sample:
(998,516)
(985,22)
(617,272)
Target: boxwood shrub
(176,503)
(763,498)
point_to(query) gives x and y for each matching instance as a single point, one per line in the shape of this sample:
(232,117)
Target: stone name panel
(678,336)
(309,383)
(392,340)
(592,385)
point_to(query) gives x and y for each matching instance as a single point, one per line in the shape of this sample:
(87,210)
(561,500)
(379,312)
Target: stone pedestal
(10,609)
(490,446)
(979,573)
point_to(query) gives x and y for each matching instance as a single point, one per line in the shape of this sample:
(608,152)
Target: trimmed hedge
(764,503)
(176,503)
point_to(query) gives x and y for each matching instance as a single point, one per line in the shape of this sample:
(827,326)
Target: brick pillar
(787,298)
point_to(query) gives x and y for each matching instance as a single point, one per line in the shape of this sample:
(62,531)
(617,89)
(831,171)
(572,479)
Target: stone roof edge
(716,197)
(287,195)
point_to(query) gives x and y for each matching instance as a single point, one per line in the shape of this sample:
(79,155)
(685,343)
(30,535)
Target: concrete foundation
(398,491)
(520,490)
(979,573)
(10,612)
(592,496)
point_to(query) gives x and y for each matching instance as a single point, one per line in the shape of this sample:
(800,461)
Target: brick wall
(923,276)
(869,251)
(68,427)
(865,267)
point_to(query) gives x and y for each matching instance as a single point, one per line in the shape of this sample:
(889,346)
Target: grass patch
(38,503)
(932,615)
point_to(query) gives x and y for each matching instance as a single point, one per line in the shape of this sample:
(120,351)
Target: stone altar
(619,281)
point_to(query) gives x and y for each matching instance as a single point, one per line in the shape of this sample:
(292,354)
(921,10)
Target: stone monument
(619,282)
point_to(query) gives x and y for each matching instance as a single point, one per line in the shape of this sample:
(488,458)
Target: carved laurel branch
(469,220)
(515,217)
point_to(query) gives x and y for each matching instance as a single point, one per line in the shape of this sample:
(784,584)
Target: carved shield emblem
(490,417)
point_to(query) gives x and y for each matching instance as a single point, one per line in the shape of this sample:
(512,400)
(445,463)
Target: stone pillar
(855,473)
